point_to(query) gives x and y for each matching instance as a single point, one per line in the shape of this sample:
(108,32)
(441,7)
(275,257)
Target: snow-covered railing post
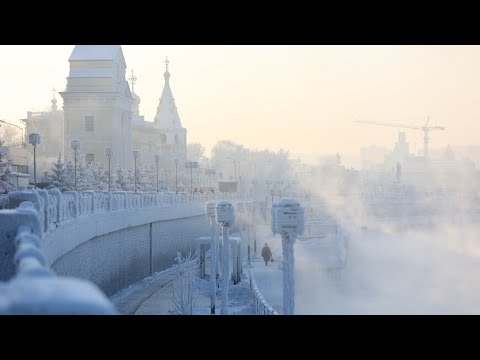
(56,193)
(76,195)
(110,201)
(15,198)
(288,221)
(35,289)
(226,218)
(261,305)
(46,209)
(210,207)
(92,193)
(10,221)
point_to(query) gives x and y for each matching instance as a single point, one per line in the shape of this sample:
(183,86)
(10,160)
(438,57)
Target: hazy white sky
(301,98)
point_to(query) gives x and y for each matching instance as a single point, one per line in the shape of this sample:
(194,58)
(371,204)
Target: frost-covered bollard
(210,207)
(226,218)
(288,221)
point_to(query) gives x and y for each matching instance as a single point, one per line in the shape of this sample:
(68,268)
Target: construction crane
(426,129)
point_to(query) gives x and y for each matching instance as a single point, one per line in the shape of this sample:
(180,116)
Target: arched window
(163,139)
(176,139)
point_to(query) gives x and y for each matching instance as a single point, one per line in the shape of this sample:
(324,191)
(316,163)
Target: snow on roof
(95,52)
(167,114)
(91,73)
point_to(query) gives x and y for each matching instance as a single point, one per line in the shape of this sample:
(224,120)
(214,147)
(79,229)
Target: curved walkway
(153,296)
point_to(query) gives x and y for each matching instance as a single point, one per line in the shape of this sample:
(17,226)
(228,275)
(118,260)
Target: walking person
(266,254)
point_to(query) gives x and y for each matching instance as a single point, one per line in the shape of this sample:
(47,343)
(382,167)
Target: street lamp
(157,159)
(75,144)
(109,153)
(176,182)
(191,165)
(235,165)
(210,210)
(225,218)
(135,157)
(288,221)
(210,172)
(34,139)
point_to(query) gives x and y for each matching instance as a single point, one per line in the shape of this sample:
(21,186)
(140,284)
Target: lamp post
(135,157)
(157,159)
(191,165)
(208,167)
(176,181)
(34,139)
(75,144)
(235,166)
(226,218)
(210,172)
(109,153)
(248,210)
(210,208)
(288,221)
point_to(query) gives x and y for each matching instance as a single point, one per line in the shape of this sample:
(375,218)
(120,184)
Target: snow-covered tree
(195,151)
(84,179)
(59,177)
(6,180)
(148,174)
(10,135)
(185,294)
(121,182)
(131,180)
(98,175)
(70,175)
(141,180)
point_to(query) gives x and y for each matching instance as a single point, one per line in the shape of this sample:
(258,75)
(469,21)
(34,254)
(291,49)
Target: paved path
(269,278)
(154,297)
(132,303)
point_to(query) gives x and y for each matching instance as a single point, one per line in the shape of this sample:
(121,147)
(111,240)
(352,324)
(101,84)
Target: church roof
(91,72)
(167,115)
(95,52)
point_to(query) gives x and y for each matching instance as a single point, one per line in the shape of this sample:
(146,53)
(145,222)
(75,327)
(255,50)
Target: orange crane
(426,129)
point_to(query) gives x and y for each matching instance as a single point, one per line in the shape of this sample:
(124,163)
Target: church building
(101,109)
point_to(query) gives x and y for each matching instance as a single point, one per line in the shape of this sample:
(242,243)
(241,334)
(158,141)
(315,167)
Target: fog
(406,219)
(408,253)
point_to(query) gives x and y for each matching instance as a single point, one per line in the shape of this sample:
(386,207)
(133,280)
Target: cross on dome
(133,79)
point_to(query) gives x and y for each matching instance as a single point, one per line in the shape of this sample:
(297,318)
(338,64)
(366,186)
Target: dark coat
(266,253)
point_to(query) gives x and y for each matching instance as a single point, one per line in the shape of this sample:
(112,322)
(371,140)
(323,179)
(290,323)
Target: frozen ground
(153,296)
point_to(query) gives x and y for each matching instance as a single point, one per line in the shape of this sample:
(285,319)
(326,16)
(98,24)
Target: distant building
(101,110)
(49,124)
(372,156)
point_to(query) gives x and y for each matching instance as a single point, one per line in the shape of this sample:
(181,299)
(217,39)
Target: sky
(301,98)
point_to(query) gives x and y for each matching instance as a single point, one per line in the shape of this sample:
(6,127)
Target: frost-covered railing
(55,207)
(32,288)
(261,305)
